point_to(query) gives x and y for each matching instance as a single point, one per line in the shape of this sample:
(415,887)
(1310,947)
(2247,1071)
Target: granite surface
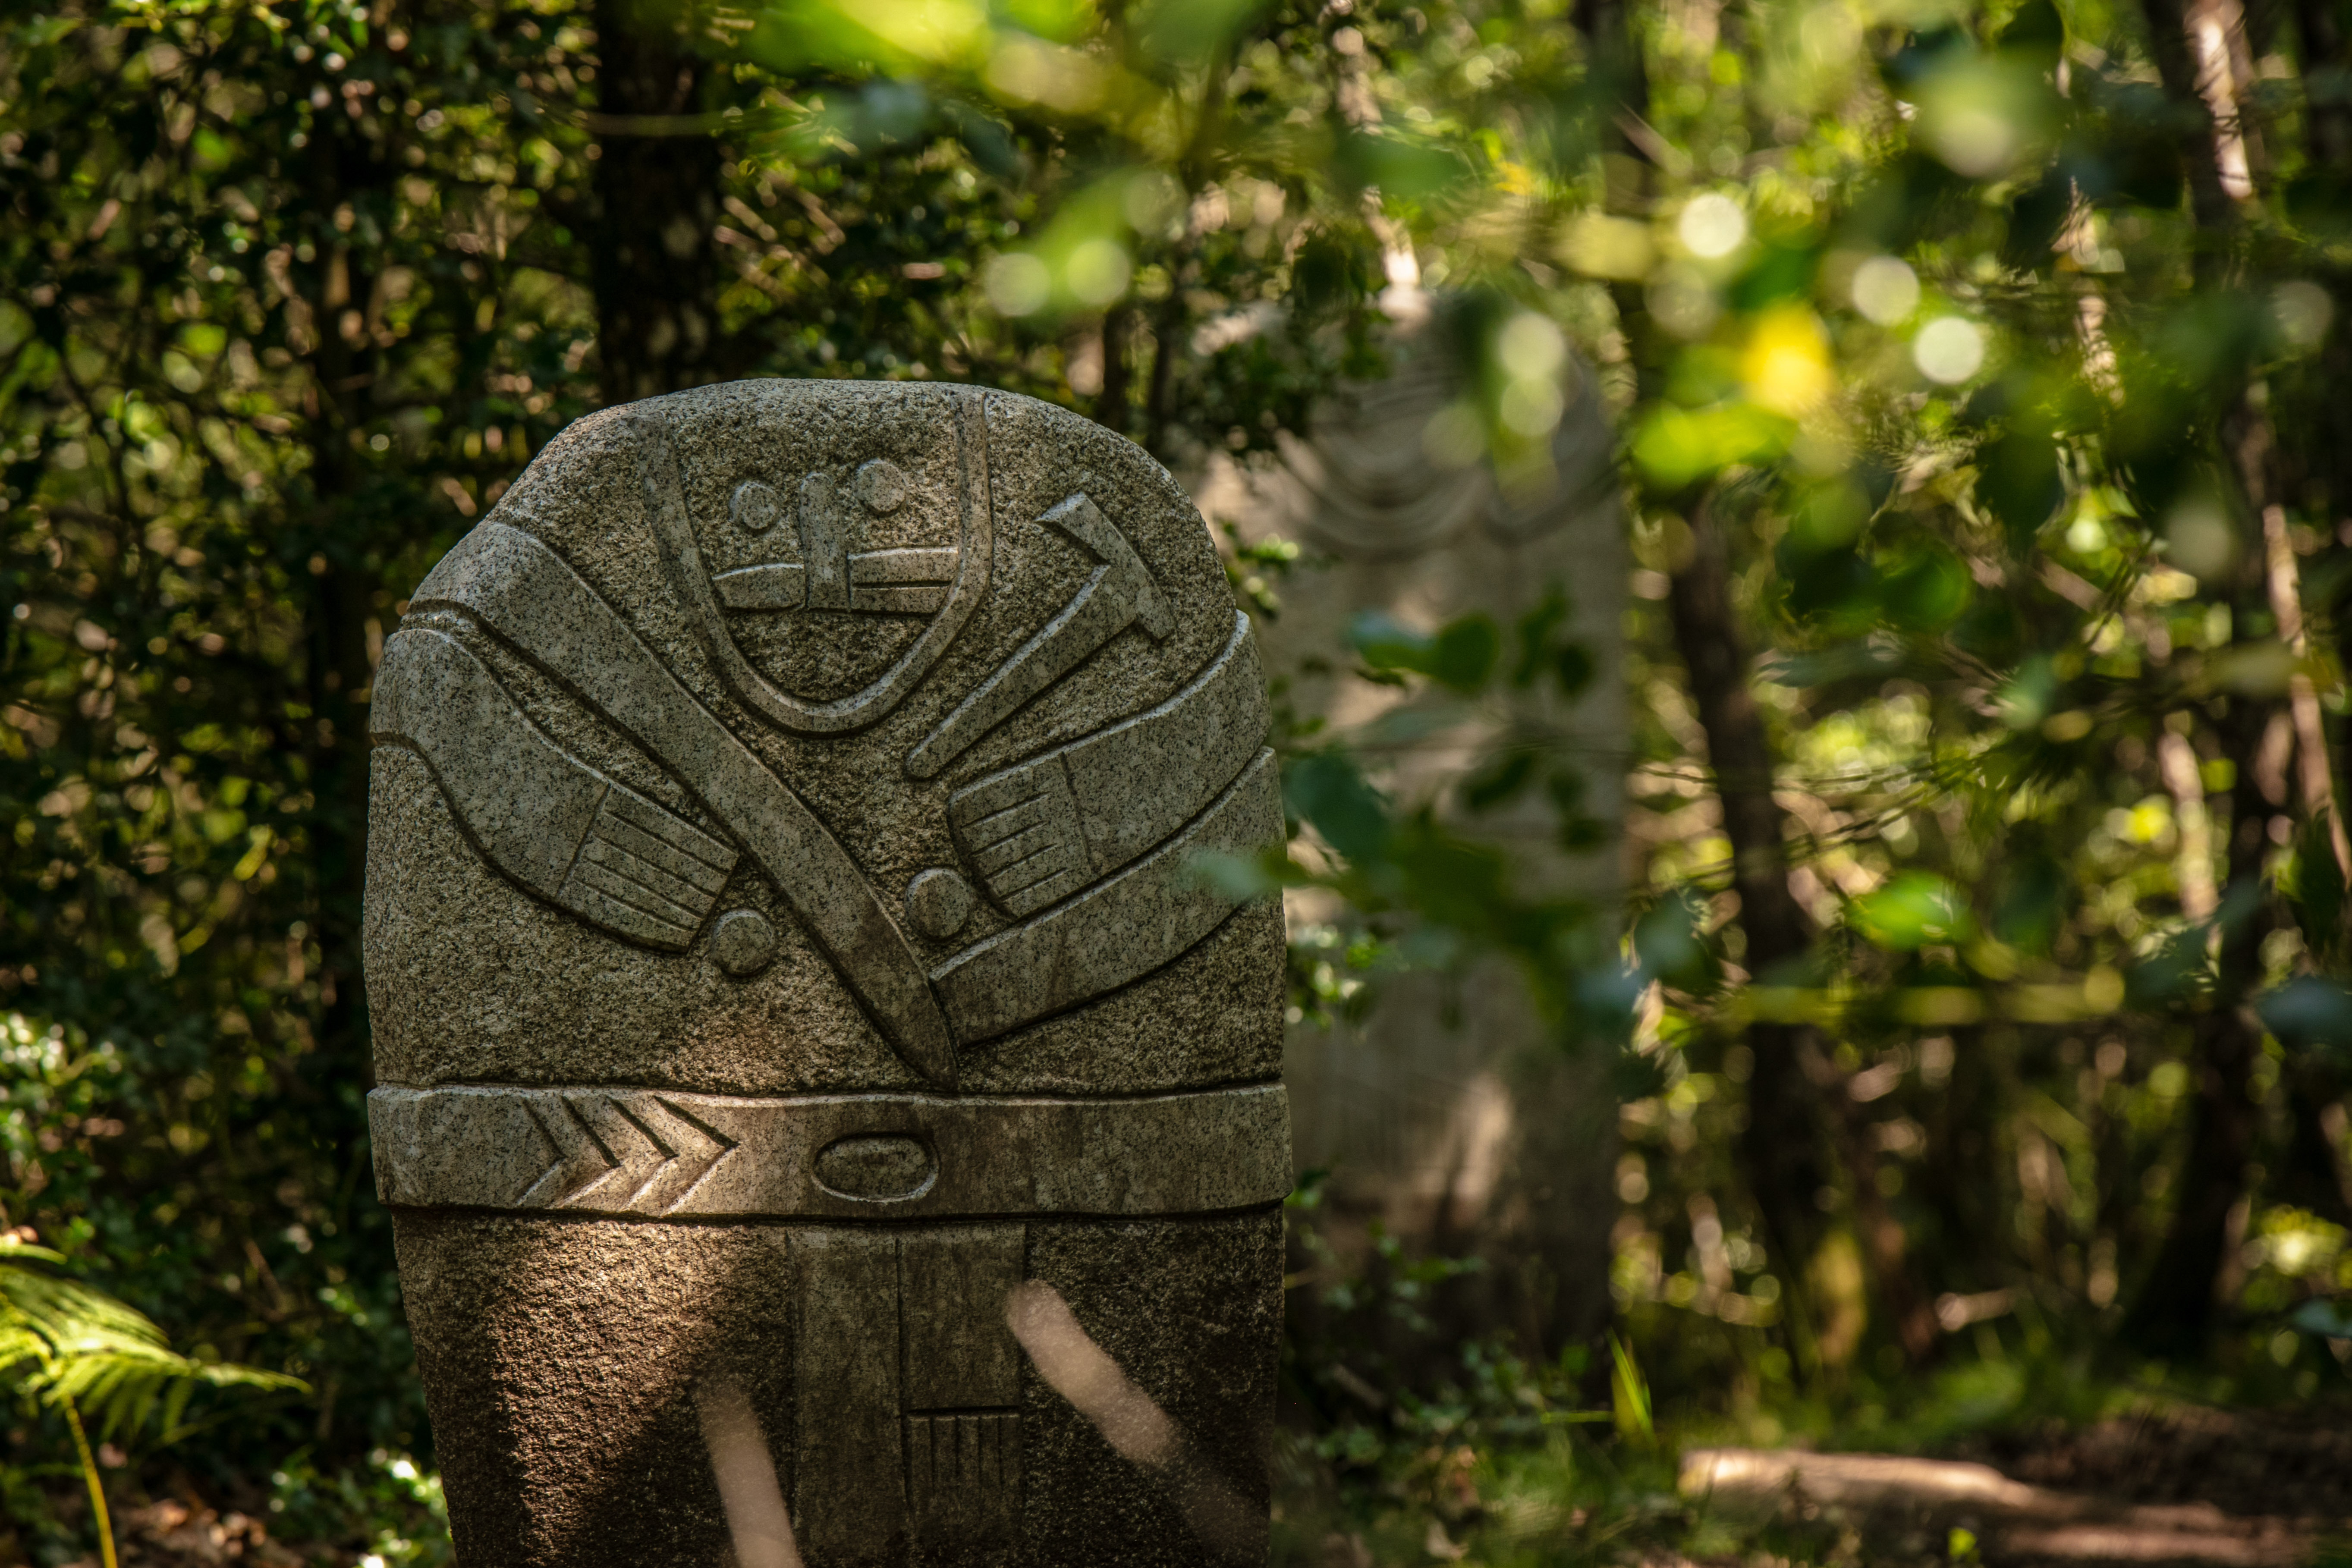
(562,1359)
(826,1108)
(603,664)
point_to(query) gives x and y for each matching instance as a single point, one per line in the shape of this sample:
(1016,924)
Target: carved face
(940,691)
(828,585)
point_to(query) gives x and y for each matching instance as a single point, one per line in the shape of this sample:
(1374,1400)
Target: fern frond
(118,1388)
(19,1343)
(11,1247)
(67,1312)
(89,1349)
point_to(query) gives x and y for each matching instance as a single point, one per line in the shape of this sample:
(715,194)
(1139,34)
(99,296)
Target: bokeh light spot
(1885,290)
(1530,408)
(2303,311)
(2199,540)
(1786,367)
(1711,227)
(1974,140)
(1531,348)
(1017,283)
(1948,349)
(1097,270)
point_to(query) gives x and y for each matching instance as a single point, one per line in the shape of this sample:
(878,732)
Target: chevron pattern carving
(629,1153)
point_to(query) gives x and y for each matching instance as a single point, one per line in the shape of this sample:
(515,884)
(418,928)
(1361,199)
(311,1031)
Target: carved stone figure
(828,1113)
(1447,1115)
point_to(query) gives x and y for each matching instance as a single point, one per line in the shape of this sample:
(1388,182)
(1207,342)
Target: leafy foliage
(1984,987)
(67,1343)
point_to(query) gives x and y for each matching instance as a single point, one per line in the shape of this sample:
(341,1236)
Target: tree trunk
(1884,1243)
(1782,1145)
(2327,122)
(1110,403)
(2209,200)
(1785,1146)
(2177,1311)
(343,167)
(653,259)
(1159,402)
(2327,116)
(2313,1177)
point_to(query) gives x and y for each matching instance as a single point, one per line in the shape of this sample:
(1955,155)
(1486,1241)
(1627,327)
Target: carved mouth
(881,582)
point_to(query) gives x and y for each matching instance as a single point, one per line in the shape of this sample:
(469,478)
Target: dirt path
(2180,1487)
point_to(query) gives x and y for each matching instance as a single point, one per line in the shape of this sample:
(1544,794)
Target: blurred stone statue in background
(1449,1114)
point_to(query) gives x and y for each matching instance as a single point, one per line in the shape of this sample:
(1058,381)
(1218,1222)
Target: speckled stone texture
(784,762)
(489,996)
(563,1356)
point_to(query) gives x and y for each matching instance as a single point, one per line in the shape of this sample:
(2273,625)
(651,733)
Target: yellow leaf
(1786,365)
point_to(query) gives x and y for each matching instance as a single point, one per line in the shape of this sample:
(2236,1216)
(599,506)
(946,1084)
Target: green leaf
(1670,943)
(2035,216)
(1329,793)
(1677,445)
(2309,1013)
(2018,481)
(1461,654)
(2323,1318)
(1629,1392)
(2035,35)
(1385,643)
(1464,653)
(1190,30)
(1928,591)
(1400,170)
(1911,911)
(84,1346)
(2315,888)
(1498,781)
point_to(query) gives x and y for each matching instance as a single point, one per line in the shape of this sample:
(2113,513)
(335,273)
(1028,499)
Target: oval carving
(876,1167)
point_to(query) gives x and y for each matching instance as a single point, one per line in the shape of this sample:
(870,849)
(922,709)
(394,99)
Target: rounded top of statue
(812,735)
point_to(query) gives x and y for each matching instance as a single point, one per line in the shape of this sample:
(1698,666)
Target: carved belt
(903,1362)
(656,1154)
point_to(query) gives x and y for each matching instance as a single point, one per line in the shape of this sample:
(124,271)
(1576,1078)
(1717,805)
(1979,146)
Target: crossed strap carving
(1088,845)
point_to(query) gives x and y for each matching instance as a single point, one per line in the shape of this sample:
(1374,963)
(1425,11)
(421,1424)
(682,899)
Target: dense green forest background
(1981,1007)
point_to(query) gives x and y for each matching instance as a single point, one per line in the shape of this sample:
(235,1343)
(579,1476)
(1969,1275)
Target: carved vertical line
(850,1480)
(978,541)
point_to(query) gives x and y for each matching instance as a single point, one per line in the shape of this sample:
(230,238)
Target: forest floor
(2178,1485)
(2170,1485)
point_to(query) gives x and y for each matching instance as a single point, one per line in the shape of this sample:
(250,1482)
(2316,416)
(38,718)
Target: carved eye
(881,485)
(755,508)
(876,1168)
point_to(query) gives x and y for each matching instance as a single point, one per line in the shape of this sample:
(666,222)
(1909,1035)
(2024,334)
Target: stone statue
(1449,1117)
(829,1112)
